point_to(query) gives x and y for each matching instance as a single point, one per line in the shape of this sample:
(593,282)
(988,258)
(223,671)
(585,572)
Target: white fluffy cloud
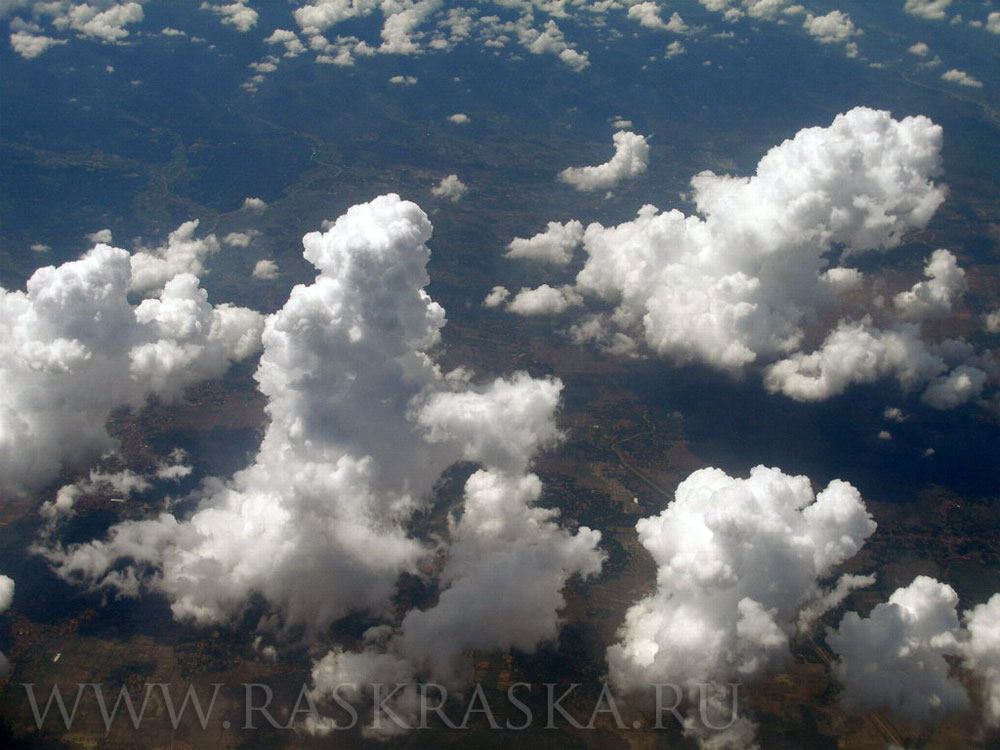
(734,285)
(894,659)
(631,159)
(735,9)
(265,269)
(29,45)
(858,352)
(496,296)
(290,40)
(320,15)
(107,24)
(981,652)
(256,205)
(898,658)
(933,298)
(450,188)
(648,15)
(833,28)
(236,14)
(183,253)
(551,40)
(555,245)
(738,563)
(362,424)
(507,565)
(74,348)
(961,78)
(930,9)
(544,300)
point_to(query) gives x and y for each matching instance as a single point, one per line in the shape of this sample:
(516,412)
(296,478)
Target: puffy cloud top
(894,658)
(736,561)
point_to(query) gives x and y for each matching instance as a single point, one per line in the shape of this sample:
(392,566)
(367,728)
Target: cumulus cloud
(239,239)
(496,297)
(74,348)
(551,40)
(648,15)
(450,188)
(403,80)
(631,159)
(399,30)
(920,49)
(993,22)
(507,566)
(265,269)
(544,300)
(931,9)
(961,78)
(981,654)
(961,385)
(735,9)
(858,352)
(289,40)
(254,204)
(894,659)
(30,45)
(108,24)
(738,563)
(933,298)
(555,245)
(183,253)
(236,14)
(362,425)
(319,15)
(833,28)
(459,118)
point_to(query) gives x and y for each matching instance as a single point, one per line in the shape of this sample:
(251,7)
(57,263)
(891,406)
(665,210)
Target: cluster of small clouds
(897,658)
(116,485)
(733,10)
(102,20)
(362,423)
(937,10)
(74,347)
(739,282)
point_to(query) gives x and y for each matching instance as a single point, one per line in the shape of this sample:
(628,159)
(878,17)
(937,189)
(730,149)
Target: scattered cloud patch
(630,160)
(450,188)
